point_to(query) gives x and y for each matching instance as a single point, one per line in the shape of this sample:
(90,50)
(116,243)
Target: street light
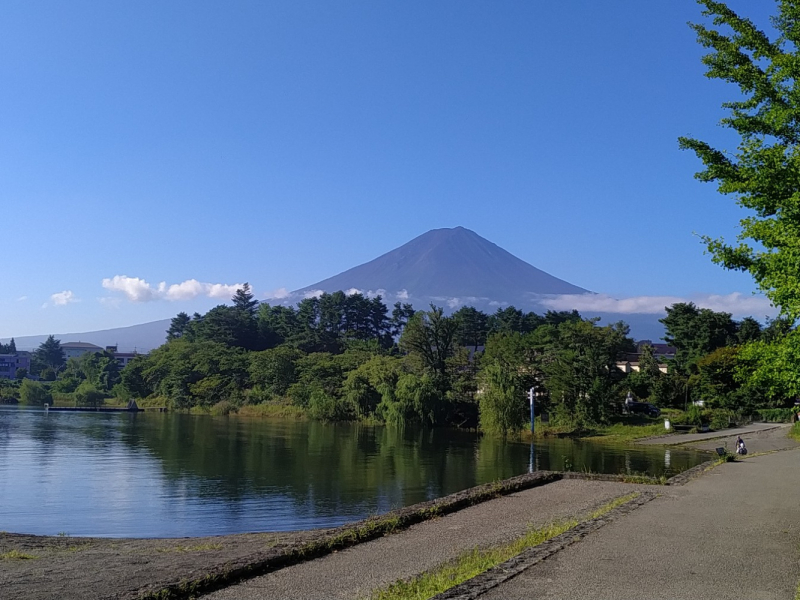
(531,396)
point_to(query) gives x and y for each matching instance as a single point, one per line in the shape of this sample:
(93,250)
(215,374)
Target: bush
(776,415)
(88,395)
(325,407)
(34,393)
(693,416)
(720,418)
(223,408)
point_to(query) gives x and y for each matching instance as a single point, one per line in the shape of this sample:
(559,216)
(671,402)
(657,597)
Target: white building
(76,349)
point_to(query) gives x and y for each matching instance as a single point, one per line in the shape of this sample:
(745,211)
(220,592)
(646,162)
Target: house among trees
(10,363)
(78,349)
(653,355)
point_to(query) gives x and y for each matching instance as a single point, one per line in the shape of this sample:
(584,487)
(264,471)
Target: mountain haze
(449,263)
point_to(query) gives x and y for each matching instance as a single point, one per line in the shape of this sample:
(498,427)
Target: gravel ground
(731,534)
(354,572)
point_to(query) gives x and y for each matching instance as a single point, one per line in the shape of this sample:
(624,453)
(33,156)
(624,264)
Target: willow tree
(763,173)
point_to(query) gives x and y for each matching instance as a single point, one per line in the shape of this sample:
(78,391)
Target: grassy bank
(477,561)
(794,432)
(624,429)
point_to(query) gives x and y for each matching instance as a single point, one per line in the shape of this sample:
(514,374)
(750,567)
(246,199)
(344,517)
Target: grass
(794,432)
(477,561)
(273,410)
(624,432)
(17,555)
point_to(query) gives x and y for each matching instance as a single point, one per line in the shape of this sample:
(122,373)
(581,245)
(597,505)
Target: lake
(173,475)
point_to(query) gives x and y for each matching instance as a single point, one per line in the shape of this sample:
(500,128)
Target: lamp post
(531,396)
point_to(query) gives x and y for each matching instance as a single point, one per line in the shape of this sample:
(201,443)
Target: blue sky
(283,142)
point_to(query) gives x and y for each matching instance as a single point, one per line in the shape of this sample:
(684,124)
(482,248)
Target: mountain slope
(142,338)
(449,263)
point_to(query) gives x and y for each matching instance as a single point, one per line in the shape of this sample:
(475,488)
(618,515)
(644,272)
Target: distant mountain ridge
(452,263)
(141,338)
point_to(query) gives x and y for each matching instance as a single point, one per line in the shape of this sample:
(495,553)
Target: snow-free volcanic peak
(450,263)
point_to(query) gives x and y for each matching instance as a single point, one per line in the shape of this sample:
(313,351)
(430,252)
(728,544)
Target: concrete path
(729,535)
(354,572)
(765,440)
(687,438)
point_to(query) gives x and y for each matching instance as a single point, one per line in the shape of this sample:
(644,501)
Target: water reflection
(175,475)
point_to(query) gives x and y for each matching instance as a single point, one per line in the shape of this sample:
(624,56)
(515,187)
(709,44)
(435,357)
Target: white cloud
(63,298)
(402,295)
(221,290)
(313,294)
(352,292)
(135,289)
(736,303)
(374,293)
(279,294)
(191,288)
(138,290)
(22,299)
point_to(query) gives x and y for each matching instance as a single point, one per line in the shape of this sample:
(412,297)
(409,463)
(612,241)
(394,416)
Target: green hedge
(776,415)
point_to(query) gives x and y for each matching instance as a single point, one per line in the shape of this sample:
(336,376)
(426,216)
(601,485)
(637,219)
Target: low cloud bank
(738,304)
(138,290)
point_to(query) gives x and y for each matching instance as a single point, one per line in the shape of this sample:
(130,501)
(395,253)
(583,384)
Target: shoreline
(162,568)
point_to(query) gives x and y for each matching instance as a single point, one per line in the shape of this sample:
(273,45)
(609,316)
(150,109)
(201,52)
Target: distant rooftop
(80,345)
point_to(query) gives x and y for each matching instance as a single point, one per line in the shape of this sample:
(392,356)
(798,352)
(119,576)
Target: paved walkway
(354,572)
(764,440)
(687,438)
(729,535)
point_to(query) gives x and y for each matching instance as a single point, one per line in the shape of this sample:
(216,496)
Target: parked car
(642,408)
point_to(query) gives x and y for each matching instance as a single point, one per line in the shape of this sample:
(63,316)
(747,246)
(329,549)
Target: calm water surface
(169,475)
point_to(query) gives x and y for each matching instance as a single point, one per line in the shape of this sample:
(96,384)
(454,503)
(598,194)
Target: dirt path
(354,572)
(732,534)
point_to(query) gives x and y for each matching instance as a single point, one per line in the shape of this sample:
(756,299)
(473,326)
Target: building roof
(81,345)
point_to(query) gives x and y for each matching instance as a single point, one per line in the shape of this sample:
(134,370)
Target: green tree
(21,373)
(50,354)
(431,336)
(762,173)
(577,361)
(502,401)
(749,330)
(227,325)
(178,326)
(644,381)
(245,301)
(401,314)
(274,370)
(694,332)
(473,326)
(717,382)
